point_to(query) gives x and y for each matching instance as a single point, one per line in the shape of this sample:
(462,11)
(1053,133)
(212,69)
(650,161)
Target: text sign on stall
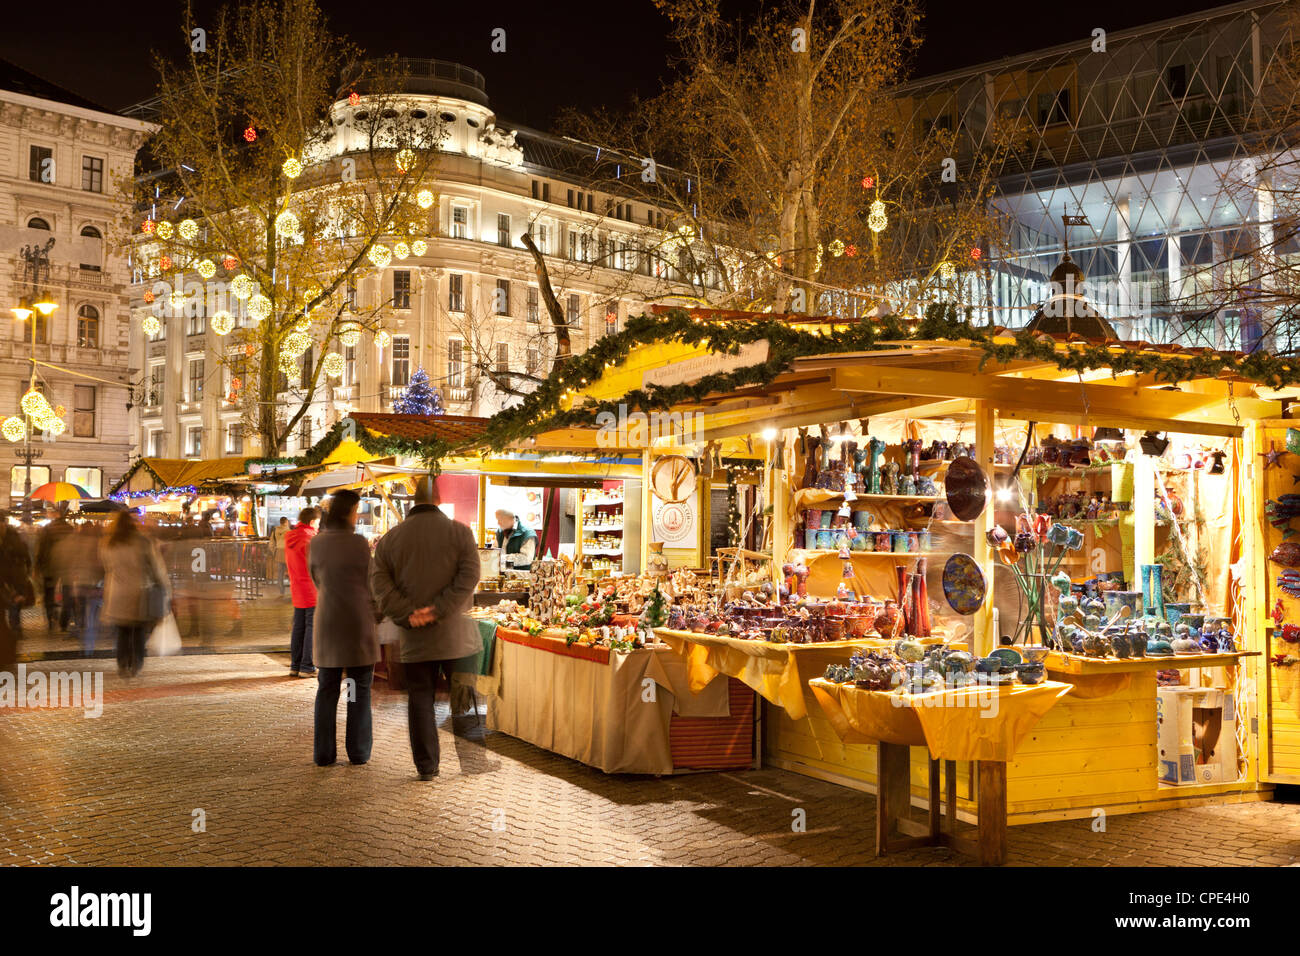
(692,370)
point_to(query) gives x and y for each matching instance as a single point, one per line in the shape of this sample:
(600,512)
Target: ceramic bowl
(1034,653)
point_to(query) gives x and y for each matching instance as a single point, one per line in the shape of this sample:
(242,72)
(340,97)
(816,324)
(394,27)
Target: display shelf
(942,465)
(857,497)
(1074,664)
(601,502)
(827,552)
(601,551)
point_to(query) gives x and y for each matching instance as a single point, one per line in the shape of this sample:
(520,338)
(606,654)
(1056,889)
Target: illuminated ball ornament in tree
(286,224)
(222,322)
(148,297)
(401,250)
(206,268)
(241,287)
(292,168)
(380,255)
(382,339)
(259,307)
(229,263)
(148,227)
(250,135)
(295,344)
(876,218)
(288,363)
(150,325)
(34,404)
(419,247)
(424,198)
(975,252)
(868,182)
(354,98)
(14,428)
(303,324)
(836,248)
(60,410)
(53,424)
(350,334)
(165,230)
(333,364)
(189,230)
(405,160)
(947,271)
(164,262)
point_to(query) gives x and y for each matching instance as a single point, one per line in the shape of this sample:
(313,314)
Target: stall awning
(152,474)
(456,431)
(356,476)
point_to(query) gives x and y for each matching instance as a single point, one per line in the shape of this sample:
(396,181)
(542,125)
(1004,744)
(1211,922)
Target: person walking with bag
(345,642)
(302,592)
(424,574)
(136,590)
(275,562)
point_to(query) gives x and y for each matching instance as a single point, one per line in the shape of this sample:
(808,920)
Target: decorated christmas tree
(655,612)
(421,398)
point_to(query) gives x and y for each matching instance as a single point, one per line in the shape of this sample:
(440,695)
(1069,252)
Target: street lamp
(36,259)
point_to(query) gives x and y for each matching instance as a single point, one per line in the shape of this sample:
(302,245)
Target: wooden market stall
(762,379)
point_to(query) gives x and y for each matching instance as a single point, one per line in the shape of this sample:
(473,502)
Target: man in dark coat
(50,566)
(15,588)
(423,577)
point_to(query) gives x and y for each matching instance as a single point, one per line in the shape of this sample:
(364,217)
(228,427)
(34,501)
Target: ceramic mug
(810,539)
(884,541)
(900,542)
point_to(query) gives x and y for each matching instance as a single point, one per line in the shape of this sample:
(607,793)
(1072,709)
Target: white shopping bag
(389,633)
(166,637)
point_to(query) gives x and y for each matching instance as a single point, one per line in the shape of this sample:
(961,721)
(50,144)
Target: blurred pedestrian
(345,641)
(302,592)
(424,574)
(136,590)
(276,559)
(16,591)
(50,561)
(87,573)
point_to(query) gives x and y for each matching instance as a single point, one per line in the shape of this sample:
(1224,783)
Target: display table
(979,724)
(1094,677)
(618,711)
(776,672)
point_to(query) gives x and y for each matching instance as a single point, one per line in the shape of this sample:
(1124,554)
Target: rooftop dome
(432,78)
(1066,311)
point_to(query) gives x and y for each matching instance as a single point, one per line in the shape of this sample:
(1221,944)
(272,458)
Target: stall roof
(182,472)
(454,430)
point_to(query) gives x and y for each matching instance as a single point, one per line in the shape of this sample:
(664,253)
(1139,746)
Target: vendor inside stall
(516,539)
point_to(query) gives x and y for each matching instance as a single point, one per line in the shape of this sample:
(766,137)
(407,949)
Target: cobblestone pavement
(230,735)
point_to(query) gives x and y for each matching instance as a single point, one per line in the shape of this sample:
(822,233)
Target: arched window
(36,222)
(88,327)
(90,232)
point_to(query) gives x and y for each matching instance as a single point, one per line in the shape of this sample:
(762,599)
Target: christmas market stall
(1064,529)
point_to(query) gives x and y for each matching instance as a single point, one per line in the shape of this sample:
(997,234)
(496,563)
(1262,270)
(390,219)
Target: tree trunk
(563,347)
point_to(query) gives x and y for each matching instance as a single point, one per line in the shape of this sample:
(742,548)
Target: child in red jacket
(302,591)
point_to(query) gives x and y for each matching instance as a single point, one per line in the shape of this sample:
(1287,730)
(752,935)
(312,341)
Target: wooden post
(647,511)
(780,498)
(482,511)
(1254,636)
(1144,516)
(992,813)
(984,639)
(893,791)
(578,495)
(704,517)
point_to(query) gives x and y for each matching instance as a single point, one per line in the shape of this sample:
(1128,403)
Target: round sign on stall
(963,583)
(967,489)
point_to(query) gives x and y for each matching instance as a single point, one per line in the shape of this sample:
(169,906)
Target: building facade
(468,310)
(1153,137)
(61,159)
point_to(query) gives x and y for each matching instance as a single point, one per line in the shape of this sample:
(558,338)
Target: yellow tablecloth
(771,670)
(970,723)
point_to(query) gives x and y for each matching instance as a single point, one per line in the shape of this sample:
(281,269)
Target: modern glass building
(1154,136)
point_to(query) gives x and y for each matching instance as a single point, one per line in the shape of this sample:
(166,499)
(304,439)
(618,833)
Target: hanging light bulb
(259,307)
(14,428)
(241,287)
(876,218)
(222,322)
(333,364)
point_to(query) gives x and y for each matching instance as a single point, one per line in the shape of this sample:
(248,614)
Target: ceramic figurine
(1120,643)
(907,485)
(910,649)
(876,447)
(925,486)
(801,576)
(889,478)
(911,456)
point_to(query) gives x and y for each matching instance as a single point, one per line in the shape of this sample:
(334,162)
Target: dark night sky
(581,53)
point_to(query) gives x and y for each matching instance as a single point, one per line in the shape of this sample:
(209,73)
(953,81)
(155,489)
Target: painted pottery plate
(963,584)
(967,489)
(1008,654)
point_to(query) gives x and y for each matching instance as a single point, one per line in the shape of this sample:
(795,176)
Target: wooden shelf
(827,552)
(1074,664)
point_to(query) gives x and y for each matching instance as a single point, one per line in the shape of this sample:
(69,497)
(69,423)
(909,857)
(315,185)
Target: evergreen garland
(733,513)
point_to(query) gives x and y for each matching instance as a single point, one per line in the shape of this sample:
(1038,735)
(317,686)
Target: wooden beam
(984,639)
(1035,399)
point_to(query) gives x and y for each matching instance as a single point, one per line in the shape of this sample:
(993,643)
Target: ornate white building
(470,300)
(61,159)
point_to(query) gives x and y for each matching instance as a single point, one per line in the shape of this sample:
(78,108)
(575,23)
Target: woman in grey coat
(345,637)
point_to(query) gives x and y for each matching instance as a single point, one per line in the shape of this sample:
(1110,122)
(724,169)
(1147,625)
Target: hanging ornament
(250,135)
(148,297)
(165,230)
(33,403)
(836,248)
(405,160)
(303,324)
(424,198)
(382,339)
(333,364)
(851,251)
(55,426)
(380,255)
(148,226)
(975,252)
(295,344)
(14,428)
(868,182)
(222,322)
(876,218)
(164,263)
(401,250)
(259,307)
(947,271)
(206,268)
(229,262)
(60,410)
(189,230)
(419,247)
(177,299)
(288,363)
(350,334)
(241,287)
(150,325)
(286,224)
(354,98)
(292,168)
